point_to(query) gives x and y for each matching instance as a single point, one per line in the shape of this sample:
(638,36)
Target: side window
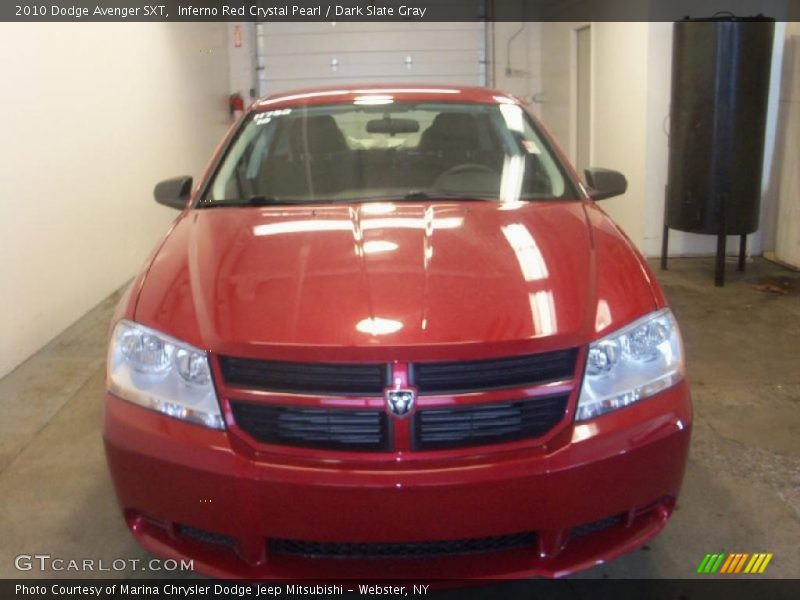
(258,154)
(354,127)
(231,181)
(487,140)
(282,146)
(543,160)
(425,120)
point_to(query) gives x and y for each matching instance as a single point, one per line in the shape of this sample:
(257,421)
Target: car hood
(386,280)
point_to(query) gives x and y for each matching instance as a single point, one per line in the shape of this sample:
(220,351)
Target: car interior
(311,157)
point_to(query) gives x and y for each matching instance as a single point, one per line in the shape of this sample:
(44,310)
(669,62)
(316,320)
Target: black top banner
(388,10)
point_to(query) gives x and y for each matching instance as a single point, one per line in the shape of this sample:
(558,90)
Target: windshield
(393,151)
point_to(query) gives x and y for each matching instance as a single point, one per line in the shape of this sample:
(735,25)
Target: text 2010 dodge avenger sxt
(392,335)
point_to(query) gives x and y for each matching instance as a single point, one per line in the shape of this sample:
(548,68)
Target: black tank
(720,85)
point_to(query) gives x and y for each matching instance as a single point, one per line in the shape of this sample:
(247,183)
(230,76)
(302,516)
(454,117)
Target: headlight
(639,360)
(163,374)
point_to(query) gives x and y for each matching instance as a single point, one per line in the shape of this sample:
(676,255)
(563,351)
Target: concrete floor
(742,487)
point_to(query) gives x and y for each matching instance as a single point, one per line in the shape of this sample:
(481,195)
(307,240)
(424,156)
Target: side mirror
(174,192)
(605,183)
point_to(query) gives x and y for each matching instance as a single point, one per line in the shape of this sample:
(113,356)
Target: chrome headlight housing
(157,371)
(637,361)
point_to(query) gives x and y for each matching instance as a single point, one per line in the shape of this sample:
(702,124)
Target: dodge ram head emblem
(400,401)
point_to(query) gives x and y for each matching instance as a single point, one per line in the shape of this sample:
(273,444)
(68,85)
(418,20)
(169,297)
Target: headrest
(451,130)
(317,135)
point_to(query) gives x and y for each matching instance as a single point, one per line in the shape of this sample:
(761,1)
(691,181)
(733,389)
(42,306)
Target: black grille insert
(426,549)
(492,423)
(474,375)
(207,537)
(305,378)
(332,429)
(595,526)
(371,379)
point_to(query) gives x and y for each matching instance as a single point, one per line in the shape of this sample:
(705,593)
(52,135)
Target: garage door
(294,55)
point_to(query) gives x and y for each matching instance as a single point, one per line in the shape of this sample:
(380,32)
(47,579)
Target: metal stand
(719,270)
(719,262)
(665,233)
(742,250)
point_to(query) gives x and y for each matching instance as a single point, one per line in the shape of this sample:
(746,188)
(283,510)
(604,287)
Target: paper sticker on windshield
(530,147)
(262,118)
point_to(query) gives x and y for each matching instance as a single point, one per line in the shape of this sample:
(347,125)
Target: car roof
(415,92)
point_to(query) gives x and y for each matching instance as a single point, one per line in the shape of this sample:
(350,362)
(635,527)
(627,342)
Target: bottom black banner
(530,589)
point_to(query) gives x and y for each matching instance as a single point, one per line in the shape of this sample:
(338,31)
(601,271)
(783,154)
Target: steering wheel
(469,169)
(469,177)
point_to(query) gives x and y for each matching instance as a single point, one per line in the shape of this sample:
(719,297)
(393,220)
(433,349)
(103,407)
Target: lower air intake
(425,549)
(206,537)
(595,526)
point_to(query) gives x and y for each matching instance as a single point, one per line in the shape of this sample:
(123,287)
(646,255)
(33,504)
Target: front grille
(332,429)
(475,375)
(595,526)
(371,379)
(305,378)
(426,549)
(492,423)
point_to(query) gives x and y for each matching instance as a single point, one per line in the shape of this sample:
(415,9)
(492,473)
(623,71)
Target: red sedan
(391,335)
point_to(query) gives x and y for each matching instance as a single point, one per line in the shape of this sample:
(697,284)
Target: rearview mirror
(392,126)
(174,192)
(605,183)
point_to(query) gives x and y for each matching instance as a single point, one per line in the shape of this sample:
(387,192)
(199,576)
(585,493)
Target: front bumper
(172,477)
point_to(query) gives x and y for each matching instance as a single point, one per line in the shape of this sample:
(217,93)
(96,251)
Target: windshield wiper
(436,195)
(264,201)
(414,196)
(251,201)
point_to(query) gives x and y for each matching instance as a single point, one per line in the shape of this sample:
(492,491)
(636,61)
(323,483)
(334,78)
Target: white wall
(559,80)
(786,217)
(243,61)
(631,83)
(519,71)
(92,115)
(619,116)
(619,106)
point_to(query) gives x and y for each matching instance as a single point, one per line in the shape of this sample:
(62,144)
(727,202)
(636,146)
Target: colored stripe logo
(737,562)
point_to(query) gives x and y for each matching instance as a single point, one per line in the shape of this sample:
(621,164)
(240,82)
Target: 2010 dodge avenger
(391,335)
